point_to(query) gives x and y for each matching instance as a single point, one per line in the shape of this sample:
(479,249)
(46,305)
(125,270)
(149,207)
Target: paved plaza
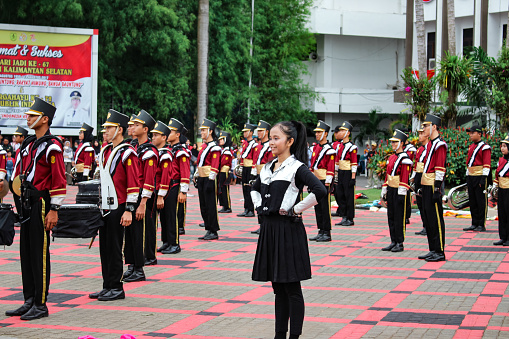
(206,291)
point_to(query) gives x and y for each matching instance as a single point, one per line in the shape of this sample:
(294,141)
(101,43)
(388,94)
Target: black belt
(173,182)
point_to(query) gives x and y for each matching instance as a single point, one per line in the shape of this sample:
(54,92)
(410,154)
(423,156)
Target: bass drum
(78,221)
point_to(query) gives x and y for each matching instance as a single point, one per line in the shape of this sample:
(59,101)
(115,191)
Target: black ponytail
(297,131)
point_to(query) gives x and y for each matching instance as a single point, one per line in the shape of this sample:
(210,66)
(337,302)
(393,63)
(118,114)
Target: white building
(361,50)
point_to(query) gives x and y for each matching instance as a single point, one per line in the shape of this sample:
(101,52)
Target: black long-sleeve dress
(282,253)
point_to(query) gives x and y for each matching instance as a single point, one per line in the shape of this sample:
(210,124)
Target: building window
(468,40)
(431,46)
(504,33)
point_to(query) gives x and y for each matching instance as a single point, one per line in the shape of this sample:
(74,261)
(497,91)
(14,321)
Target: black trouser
(150,229)
(408,204)
(246,188)
(170,216)
(341,208)
(208,206)
(34,253)
(181,214)
(346,194)
(224,191)
(79,177)
(111,238)
(289,304)
(503,213)
(478,197)
(134,241)
(434,219)
(396,214)
(322,211)
(418,198)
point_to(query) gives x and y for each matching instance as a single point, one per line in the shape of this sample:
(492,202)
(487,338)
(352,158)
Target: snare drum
(78,221)
(89,192)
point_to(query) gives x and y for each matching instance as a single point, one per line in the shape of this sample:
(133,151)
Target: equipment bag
(78,221)
(7,220)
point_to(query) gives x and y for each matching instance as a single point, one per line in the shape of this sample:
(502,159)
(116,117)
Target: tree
(203,52)
(451,27)
(421,38)
(371,129)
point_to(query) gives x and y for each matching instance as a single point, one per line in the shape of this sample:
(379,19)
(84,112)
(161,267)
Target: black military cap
(184,131)
(398,135)
(263,125)
(346,125)
(506,139)
(145,118)
(321,127)
(176,125)
(75,94)
(224,135)
(161,128)
(86,128)
(116,119)
(206,123)
(21,131)
(432,119)
(131,121)
(41,107)
(421,128)
(248,127)
(475,128)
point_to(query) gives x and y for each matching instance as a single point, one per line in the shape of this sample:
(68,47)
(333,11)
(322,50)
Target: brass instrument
(457,199)
(74,174)
(195,179)
(238,171)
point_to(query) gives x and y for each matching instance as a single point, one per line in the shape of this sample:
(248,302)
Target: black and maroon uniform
(478,171)
(247,159)
(42,163)
(83,160)
(175,174)
(143,239)
(411,151)
(502,180)
(399,167)
(124,172)
(208,168)
(224,185)
(417,175)
(322,166)
(432,176)
(347,164)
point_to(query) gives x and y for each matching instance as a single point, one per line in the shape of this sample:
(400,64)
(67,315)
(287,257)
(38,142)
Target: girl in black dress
(282,255)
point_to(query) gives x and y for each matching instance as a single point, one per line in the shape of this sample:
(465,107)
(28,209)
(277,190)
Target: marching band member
(347,154)
(502,181)
(105,138)
(122,170)
(394,191)
(182,206)
(335,184)
(19,137)
(263,154)
(85,154)
(417,174)
(208,168)
(41,183)
(247,165)
(140,239)
(433,175)
(225,142)
(410,150)
(174,186)
(282,255)
(160,135)
(478,170)
(130,125)
(322,166)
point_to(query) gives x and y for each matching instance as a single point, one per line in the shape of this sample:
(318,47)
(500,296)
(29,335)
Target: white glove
(253,171)
(384,192)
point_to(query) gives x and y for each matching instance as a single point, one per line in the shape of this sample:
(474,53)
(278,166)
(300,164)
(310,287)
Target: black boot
(398,248)
(421,232)
(163,247)
(243,214)
(480,229)
(320,232)
(129,271)
(206,234)
(407,221)
(257,231)
(436,257)
(211,236)
(471,228)
(427,255)
(250,214)
(390,247)
(36,312)
(348,223)
(498,243)
(202,224)
(324,237)
(22,310)
(113,294)
(150,262)
(172,250)
(341,222)
(98,294)
(137,275)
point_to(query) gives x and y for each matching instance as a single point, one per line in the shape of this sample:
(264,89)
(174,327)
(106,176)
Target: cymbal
(5,189)
(16,186)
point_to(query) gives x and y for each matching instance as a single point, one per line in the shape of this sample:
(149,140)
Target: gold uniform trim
(419,168)
(345,165)
(225,169)
(320,173)
(503,182)
(80,167)
(428,179)
(44,251)
(204,171)
(393,181)
(259,168)
(248,163)
(475,170)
